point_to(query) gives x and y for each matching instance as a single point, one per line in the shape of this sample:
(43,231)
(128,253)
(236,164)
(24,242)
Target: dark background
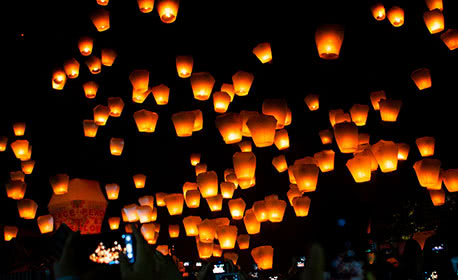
(220,35)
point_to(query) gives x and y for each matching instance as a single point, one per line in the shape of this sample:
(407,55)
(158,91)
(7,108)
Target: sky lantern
(332,115)
(312,101)
(326,136)
(146,200)
(131,213)
(236,208)
(325,160)
(245,116)
(190,225)
(277,108)
(207,230)
(396,16)
(243,240)
(146,120)
(221,101)
(59,183)
(112,191)
(245,146)
(202,84)
(434,21)
(230,127)
(72,68)
(244,166)
(426,145)
(262,129)
(9,232)
(103,2)
(101,114)
(184,66)
(3,143)
(275,210)
(428,171)
(293,193)
(139,95)
(116,105)
(386,154)
(161,94)
(363,139)
(438,184)
(434,4)
(389,109)
(27,166)
(281,139)
(17,176)
(195,159)
(90,128)
(187,186)
(378,11)
(360,168)
(346,135)
(375,97)
(198,121)
(260,211)
(108,57)
(85,45)
(422,78)
(208,184)
(201,168)
(279,162)
(227,172)
(437,197)
(15,189)
(306,176)
(263,52)
(145,6)
(145,213)
(168,10)
(204,249)
(184,123)
(94,64)
(113,222)
(242,82)
(359,113)
(451,180)
(450,39)
(139,79)
(232,178)
(328,39)
(139,180)
(149,233)
(27,208)
(116,146)
(59,78)
(101,19)
(215,203)
(174,231)
(227,189)
(21,149)
(229,89)
(341,117)
(403,151)
(263,256)
(174,203)
(192,198)
(252,225)
(90,89)
(227,236)
(301,206)
(45,223)
(367,152)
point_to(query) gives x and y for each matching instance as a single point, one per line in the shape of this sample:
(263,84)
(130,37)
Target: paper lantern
(190,225)
(201,168)
(277,108)
(306,176)
(144,213)
(375,97)
(360,168)
(293,193)
(229,89)
(263,52)
(262,129)
(328,39)
(195,159)
(363,139)
(227,236)
(139,95)
(149,233)
(217,251)
(207,231)
(341,117)
(434,20)
(378,11)
(275,210)
(260,211)
(438,184)
(451,180)
(359,114)
(280,163)
(389,109)
(236,208)
(139,79)
(101,114)
(17,176)
(187,186)
(434,4)
(192,198)
(227,172)
(204,249)
(27,166)
(184,123)
(208,184)
(116,105)
(289,117)
(367,152)
(221,101)
(145,6)
(15,189)
(312,101)
(184,66)
(174,231)
(232,178)
(112,191)
(437,197)
(113,222)
(421,78)
(116,146)
(85,45)
(223,221)
(450,39)
(139,180)
(263,256)
(27,208)
(244,167)
(243,240)
(72,68)
(103,2)
(301,206)
(326,136)
(332,115)
(325,160)
(101,19)
(426,145)
(403,151)
(230,127)
(161,94)
(245,116)
(3,143)
(174,203)
(242,82)
(168,10)
(146,120)
(90,128)
(108,57)
(198,121)
(22,149)
(146,200)
(94,64)
(9,232)
(59,183)
(202,84)
(215,203)
(386,154)
(227,190)
(131,213)
(281,139)
(245,146)
(45,223)
(396,16)
(252,225)
(346,135)
(59,78)
(90,89)
(428,171)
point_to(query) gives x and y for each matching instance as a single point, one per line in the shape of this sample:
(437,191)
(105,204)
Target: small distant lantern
(375,97)
(275,210)
(168,10)
(201,168)
(263,256)
(59,78)
(230,127)
(389,109)
(243,240)
(161,94)
(386,154)
(101,114)
(422,78)
(312,101)
(146,200)
(221,101)
(195,159)
(27,208)
(328,39)
(280,163)
(277,108)
(90,128)
(227,189)
(21,149)
(202,84)
(116,146)
(229,89)
(306,176)
(227,236)
(281,139)
(145,6)
(242,82)
(3,143)
(301,206)
(428,171)
(326,136)
(114,222)
(72,68)
(378,11)
(208,184)
(426,145)
(112,191)
(174,231)
(139,180)
(403,151)
(27,166)
(359,114)
(192,198)
(59,183)
(346,135)
(174,203)
(15,189)
(103,2)
(108,57)
(451,180)
(184,66)
(116,105)
(145,213)
(236,208)
(325,160)
(450,39)
(85,45)
(252,225)
(262,129)
(190,225)
(360,168)
(437,197)
(146,120)
(263,52)
(101,19)
(90,89)
(435,4)
(215,203)
(396,16)
(9,232)
(184,123)
(434,21)
(245,146)
(94,64)
(45,223)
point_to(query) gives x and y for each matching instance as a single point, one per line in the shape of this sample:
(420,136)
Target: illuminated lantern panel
(215,203)
(434,21)
(437,197)
(346,135)
(145,6)
(389,109)
(202,84)
(243,240)
(161,94)
(22,149)
(227,236)
(201,168)
(367,152)
(168,10)
(149,233)
(386,154)
(221,101)
(195,159)
(312,101)
(113,222)
(229,89)
(90,128)
(131,213)
(292,180)
(242,82)
(3,143)
(94,64)
(341,117)
(332,115)
(72,68)
(252,225)
(263,52)
(293,193)
(116,146)
(306,176)
(301,206)
(326,136)
(403,151)
(139,79)
(174,203)
(190,225)
(145,213)
(245,146)
(146,200)
(289,117)
(263,256)
(434,4)
(260,211)
(184,66)
(85,45)
(428,171)
(281,139)
(27,209)
(230,127)
(396,16)
(146,120)
(360,168)
(208,184)
(59,183)
(262,129)
(232,178)
(245,116)
(27,166)
(108,57)
(277,108)
(207,230)
(237,209)
(422,78)
(139,95)
(450,38)
(59,78)
(15,189)
(184,123)
(174,231)
(328,39)
(45,223)
(90,89)
(227,189)
(280,163)
(227,172)
(359,113)
(451,180)
(116,105)
(375,97)
(204,249)
(325,160)
(217,251)
(101,19)
(198,121)
(438,184)
(139,180)
(244,165)
(275,210)
(426,145)
(192,198)
(9,232)
(112,191)
(378,11)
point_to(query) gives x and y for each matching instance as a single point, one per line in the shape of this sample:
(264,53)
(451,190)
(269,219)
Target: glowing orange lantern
(184,123)
(244,167)
(434,4)
(149,233)
(428,171)
(174,203)
(233,257)
(202,84)
(27,208)
(112,191)
(232,178)
(145,6)
(245,116)
(325,160)
(281,139)
(59,78)
(195,159)
(242,82)
(204,249)
(332,115)
(113,222)
(376,96)
(229,89)
(437,197)
(187,186)
(329,40)
(359,114)
(146,120)
(101,19)
(389,109)
(108,57)
(168,10)
(190,225)
(116,146)
(450,38)
(85,45)
(277,108)
(378,11)
(215,203)
(326,136)
(252,225)
(139,180)
(146,200)
(236,208)
(275,210)
(90,128)
(145,213)
(184,66)
(403,151)
(386,154)
(396,16)
(245,146)
(45,223)
(59,183)
(192,198)
(263,52)
(263,256)
(116,105)
(90,89)
(260,211)
(346,135)
(289,117)
(227,236)
(139,95)
(139,79)
(451,180)
(262,129)
(301,206)
(293,193)
(243,240)
(17,176)
(9,232)
(208,184)
(198,121)
(280,163)
(422,78)
(161,94)
(27,166)
(201,168)
(221,101)
(72,68)
(227,189)
(207,230)
(94,64)
(174,231)
(434,20)
(102,2)
(360,168)
(3,143)
(312,101)
(22,149)
(131,213)
(15,189)
(101,114)
(426,146)
(230,127)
